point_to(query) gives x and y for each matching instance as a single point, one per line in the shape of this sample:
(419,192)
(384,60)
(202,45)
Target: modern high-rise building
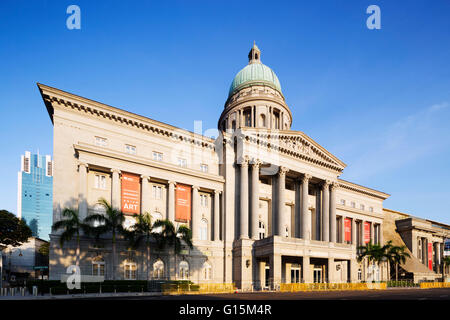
(35,193)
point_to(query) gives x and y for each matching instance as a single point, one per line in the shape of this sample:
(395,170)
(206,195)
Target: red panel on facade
(366,232)
(430,256)
(348,229)
(183,203)
(131,193)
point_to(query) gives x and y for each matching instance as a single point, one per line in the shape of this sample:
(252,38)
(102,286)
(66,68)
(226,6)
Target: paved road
(390,294)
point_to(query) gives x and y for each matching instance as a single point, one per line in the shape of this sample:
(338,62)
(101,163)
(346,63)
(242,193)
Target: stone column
(381,233)
(331,269)
(342,229)
(244,200)
(262,273)
(145,194)
(255,200)
(306,217)
(216,215)
(333,212)
(82,193)
(326,211)
(354,242)
(281,200)
(171,201)
(372,232)
(306,270)
(115,202)
(275,269)
(195,214)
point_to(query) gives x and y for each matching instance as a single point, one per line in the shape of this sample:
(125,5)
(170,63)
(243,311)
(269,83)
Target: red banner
(430,256)
(348,230)
(366,232)
(131,193)
(183,203)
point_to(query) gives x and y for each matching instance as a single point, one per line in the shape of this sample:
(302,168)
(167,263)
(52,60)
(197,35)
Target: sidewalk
(82,296)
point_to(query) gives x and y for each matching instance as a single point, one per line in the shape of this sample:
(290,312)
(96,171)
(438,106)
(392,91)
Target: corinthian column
(145,196)
(326,211)
(333,212)
(216,215)
(171,201)
(195,214)
(255,199)
(115,202)
(306,217)
(82,193)
(281,201)
(244,199)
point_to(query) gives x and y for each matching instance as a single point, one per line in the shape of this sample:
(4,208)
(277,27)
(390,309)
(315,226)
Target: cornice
(361,189)
(88,148)
(52,95)
(359,211)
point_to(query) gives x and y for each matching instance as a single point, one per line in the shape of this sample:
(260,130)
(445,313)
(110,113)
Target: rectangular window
(101,142)
(204,167)
(204,200)
(182,162)
(370,209)
(130,149)
(49,172)
(362,207)
(353,204)
(157,192)
(343,202)
(157,156)
(100,181)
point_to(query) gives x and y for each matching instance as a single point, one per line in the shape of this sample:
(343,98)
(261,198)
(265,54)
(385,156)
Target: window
(26,163)
(49,171)
(157,156)
(204,200)
(206,271)
(262,120)
(98,267)
(247,118)
(343,202)
(183,273)
(353,204)
(359,274)
(130,270)
(286,231)
(101,142)
(157,192)
(182,162)
(130,149)
(276,117)
(233,125)
(158,269)
(204,168)
(362,207)
(203,232)
(155,217)
(370,209)
(262,230)
(100,181)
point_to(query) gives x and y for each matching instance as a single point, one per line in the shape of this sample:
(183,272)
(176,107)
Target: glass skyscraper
(35,193)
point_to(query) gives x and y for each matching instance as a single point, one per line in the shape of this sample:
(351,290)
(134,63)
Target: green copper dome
(255,73)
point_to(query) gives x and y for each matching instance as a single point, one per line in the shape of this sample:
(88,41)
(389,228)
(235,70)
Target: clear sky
(377,99)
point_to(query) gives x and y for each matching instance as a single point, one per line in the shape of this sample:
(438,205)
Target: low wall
(294,287)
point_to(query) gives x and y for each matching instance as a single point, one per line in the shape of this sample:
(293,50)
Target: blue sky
(377,99)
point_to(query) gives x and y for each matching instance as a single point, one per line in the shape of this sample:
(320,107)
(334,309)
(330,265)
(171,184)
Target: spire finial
(254,56)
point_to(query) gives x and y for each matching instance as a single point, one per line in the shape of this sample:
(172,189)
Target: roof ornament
(254,56)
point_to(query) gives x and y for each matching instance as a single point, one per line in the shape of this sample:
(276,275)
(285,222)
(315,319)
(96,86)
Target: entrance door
(266,277)
(295,274)
(317,275)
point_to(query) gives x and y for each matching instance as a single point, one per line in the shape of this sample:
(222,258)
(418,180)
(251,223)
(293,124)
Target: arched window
(130,269)
(203,230)
(262,120)
(183,272)
(206,271)
(262,230)
(233,125)
(98,266)
(276,119)
(158,269)
(248,118)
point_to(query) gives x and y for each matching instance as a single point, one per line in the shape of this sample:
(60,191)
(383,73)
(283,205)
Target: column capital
(144,177)
(256,163)
(115,170)
(82,164)
(172,182)
(218,192)
(282,171)
(334,185)
(326,184)
(195,188)
(243,161)
(306,177)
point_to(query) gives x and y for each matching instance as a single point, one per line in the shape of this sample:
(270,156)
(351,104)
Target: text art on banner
(366,232)
(430,256)
(131,190)
(348,229)
(183,203)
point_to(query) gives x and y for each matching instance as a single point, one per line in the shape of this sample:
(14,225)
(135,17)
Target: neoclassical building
(265,203)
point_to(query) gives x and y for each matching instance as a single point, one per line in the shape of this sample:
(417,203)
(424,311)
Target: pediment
(296,144)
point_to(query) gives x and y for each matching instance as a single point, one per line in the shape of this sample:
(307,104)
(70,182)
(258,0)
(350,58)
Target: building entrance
(266,276)
(295,274)
(317,275)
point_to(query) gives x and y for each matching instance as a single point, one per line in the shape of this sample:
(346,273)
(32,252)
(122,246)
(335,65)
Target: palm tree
(396,255)
(140,231)
(72,226)
(111,221)
(165,234)
(374,253)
